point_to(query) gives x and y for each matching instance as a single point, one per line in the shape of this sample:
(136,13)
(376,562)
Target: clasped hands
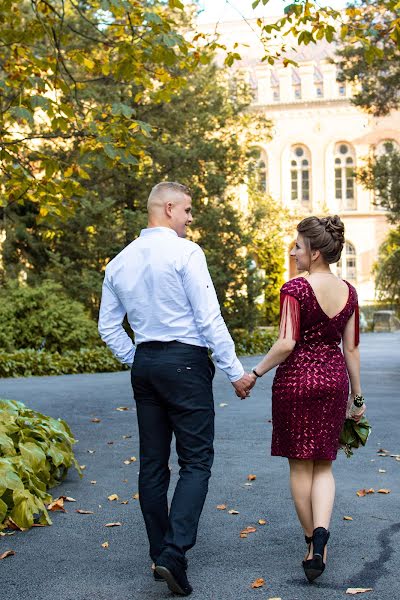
(244,384)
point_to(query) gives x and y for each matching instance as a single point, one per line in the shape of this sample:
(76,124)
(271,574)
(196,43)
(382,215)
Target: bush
(258,341)
(25,363)
(35,454)
(44,317)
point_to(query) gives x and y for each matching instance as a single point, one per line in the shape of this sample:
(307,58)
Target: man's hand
(243,385)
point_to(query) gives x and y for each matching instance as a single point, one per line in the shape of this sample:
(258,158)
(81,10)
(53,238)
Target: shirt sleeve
(289,326)
(201,293)
(112,314)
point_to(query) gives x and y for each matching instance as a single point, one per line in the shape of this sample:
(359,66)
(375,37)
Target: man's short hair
(168,186)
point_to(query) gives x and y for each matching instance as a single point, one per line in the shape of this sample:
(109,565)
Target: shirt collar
(150,230)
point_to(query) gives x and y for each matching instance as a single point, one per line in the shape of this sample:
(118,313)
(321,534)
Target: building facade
(318,138)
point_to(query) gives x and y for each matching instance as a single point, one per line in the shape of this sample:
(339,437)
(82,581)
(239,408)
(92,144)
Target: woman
(310,392)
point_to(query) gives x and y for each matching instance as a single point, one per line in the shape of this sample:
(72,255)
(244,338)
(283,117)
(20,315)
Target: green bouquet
(354,434)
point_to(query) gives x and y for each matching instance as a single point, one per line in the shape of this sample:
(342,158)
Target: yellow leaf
(233,512)
(136,496)
(127,462)
(221,506)
(347,518)
(57,504)
(384,491)
(69,172)
(133,459)
(251,477)
(358,590)
(258,583)
(105,545)
(122,408)
(262,522)
(89,63)
(113,497)
(7,553)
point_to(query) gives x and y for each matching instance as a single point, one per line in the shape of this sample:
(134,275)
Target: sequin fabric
(310,388)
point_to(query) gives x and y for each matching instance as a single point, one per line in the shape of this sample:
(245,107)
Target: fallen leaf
(126,437)
(136,496)
(124,502)
(4,533)
(262,522)
(7,553)
(364,492)
(274,598)
(233,512)
(384,491)
(113,497)
(82,467)
(251,477)
(91,451)
(358,590)
(10,524)
(127,462)
(221,506)
(105,545)
(223,404)
(248,484)
(93,482)
(395,456)
(113,524)
(258,583)
(68,498)
(84,512)
(383,450)
(39,525)
(57,504)
(243,535)
(248,530)
(133,459)
(110,443)
(96,420)
(381,470)
(122,408)
(347,518)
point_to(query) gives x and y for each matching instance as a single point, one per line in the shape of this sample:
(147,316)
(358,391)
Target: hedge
(35,455)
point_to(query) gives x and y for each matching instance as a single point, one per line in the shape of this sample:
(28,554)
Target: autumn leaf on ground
(258,583)
(249,529)
(84,512)
(347,518)
(251,477)
(383,451)
(136,496)
(91,451)
(113,497)
(4,533)
(274,598)
(39,525)
(68,498)
(113,524)
(10,524)
(82,467)
(126,437)
(93,482)
(124,502)
(233,512)
(262,522)
(105,545)
(221,506)
(7,553)
(223,404)
(122,408)
(384,491)
(127,462)
(95,420)
(381,470)
(364,492)
(57,504)
(358,590)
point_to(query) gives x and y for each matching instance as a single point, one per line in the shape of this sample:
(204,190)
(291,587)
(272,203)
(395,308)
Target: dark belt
(174,344)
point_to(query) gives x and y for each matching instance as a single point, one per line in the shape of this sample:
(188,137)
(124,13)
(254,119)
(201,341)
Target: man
(161,282)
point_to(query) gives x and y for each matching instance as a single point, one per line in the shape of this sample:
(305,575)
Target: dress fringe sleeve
(290,317)
(356,325)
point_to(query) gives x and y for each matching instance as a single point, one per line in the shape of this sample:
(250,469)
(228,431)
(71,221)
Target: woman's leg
(322,493)
(301,481)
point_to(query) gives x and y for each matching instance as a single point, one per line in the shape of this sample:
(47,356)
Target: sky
(231,10)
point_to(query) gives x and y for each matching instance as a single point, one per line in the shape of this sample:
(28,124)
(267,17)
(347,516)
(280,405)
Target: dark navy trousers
(172,386)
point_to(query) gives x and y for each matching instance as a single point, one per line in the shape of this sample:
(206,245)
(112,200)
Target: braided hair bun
(325,234)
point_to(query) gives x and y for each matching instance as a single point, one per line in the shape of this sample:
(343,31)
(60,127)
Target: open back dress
(311,387)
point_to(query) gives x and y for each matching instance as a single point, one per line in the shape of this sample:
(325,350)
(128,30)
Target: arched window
(386,147)
(300,171)
(258,169)
(344,176)
(347,265)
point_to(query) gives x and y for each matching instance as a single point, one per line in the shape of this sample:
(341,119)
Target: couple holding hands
(160,281)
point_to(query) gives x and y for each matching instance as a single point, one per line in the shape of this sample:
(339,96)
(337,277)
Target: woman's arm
(352,355)
(288,333)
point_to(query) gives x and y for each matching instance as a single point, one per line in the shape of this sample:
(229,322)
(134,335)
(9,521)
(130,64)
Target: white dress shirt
(161,282)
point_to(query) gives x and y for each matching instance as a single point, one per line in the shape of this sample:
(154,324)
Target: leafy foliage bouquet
(354,434)
(35,454)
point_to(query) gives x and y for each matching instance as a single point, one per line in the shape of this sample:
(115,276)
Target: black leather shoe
(315,566)
(174,575)
(157,577)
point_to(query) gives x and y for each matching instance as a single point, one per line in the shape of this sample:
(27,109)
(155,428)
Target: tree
(374,71)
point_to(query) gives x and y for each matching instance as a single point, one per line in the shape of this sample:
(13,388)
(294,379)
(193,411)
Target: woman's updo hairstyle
(325,234)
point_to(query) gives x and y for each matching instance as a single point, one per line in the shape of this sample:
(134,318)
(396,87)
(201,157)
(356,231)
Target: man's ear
(168,206)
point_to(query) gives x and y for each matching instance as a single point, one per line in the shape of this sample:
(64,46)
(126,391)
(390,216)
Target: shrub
(44,317)
(25,363)
(35,454)
(258,341)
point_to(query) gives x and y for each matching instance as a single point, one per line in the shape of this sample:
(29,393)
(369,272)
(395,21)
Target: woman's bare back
(330,291)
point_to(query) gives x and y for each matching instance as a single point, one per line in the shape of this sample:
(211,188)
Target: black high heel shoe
(315,566)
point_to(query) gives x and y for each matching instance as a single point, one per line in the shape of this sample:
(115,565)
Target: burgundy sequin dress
(310,389)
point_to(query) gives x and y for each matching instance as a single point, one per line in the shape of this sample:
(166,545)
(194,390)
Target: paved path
(67,562)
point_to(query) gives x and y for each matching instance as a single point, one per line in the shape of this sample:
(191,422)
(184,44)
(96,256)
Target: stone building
(318,138)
